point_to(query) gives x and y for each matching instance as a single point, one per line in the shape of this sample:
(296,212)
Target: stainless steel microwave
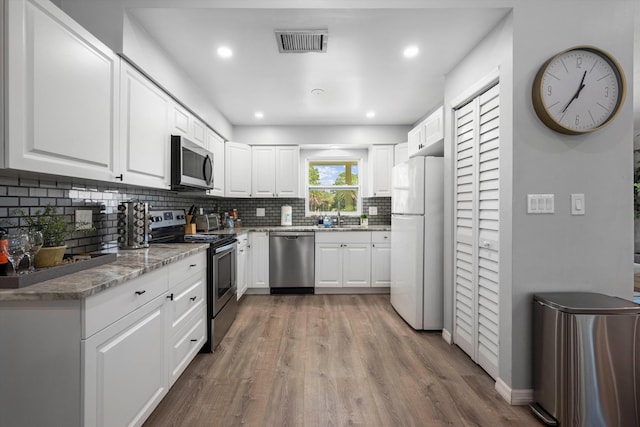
(191,165)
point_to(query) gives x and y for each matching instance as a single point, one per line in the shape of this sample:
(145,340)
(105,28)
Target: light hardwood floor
(333,360)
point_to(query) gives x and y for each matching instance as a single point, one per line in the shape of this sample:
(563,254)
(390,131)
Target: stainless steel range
(167,226)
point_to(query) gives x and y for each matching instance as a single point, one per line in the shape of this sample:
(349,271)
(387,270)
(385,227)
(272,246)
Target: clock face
(579,90)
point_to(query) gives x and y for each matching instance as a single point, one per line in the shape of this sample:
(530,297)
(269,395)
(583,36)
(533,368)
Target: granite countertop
(128,265)
(316,228)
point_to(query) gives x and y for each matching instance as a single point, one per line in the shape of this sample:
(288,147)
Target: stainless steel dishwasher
(291,261)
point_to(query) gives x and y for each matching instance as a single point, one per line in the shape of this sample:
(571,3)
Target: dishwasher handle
(291,235)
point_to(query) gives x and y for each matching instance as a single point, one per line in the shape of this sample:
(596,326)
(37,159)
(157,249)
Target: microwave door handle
(207,169)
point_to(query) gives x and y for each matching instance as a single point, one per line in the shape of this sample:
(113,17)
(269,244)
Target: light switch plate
(84,219)
(577,204)
(540,203)
(373,210)
(259,211)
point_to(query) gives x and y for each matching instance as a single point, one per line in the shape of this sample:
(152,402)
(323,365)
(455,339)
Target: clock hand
(577,92)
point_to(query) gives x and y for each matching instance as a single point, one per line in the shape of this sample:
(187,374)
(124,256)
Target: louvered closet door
(477,229)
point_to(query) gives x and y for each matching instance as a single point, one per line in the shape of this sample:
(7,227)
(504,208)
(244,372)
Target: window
(333,185)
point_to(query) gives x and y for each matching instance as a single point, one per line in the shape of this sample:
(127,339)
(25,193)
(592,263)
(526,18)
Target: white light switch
(373,210)
(540,203)
(577,204)
(259,211)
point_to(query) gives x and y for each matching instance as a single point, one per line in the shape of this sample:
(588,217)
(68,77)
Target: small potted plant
(364,220)
(55,231)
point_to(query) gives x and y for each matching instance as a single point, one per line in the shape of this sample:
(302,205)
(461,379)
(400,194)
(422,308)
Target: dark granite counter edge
(129,265)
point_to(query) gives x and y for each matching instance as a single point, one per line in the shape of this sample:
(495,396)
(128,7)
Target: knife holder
(133,225)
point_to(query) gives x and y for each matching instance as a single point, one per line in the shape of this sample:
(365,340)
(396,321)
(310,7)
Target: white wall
(556,252)
(320,135)
(561,252)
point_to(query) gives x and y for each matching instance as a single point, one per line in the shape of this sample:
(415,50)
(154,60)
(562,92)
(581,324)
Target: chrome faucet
(339,217)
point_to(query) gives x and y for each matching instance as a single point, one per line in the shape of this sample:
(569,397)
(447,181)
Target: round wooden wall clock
(579,90)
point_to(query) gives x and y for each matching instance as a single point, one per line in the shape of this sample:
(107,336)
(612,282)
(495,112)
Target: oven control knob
(121,239)
(179,216)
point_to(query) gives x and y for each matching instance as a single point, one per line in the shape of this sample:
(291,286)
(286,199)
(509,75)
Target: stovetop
(167,226)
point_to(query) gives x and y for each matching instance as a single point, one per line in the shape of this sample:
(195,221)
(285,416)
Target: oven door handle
(225,248)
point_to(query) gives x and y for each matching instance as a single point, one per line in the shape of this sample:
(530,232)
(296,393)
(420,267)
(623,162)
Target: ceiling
(363,69)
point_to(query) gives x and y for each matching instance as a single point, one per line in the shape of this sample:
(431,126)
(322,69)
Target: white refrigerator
(417,222)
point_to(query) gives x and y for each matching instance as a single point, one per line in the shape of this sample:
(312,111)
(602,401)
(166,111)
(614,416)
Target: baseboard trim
(350,291)
(446,336)
(513,397)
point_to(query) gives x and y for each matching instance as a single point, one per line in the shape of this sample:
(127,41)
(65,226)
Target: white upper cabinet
(198,132)
(180,120)
(263,171)
(275,171)
(215,144)
(61,94)
(184,123)
(237,170)
(380,165)
(427,139)
(144,131)
(287,171)
(400,153)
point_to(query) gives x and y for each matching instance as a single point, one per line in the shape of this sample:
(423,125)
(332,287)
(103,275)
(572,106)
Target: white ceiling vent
(302,41)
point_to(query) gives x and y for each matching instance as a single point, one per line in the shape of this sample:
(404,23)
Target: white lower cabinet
(106,360)
(187,312)
(343,259)
(380,259)
(125,371)
(259,243)
(243,266)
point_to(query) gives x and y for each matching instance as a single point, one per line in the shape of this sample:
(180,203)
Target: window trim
(357,187)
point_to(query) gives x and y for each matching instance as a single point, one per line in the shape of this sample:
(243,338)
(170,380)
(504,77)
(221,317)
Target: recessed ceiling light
(258,114)
(225,52)
(317,91)
(371,114)
(411,51)
(334,147)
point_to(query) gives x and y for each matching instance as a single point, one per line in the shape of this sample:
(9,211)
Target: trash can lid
(587,303)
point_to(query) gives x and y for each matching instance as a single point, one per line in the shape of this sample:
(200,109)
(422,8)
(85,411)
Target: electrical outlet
(259,211)
(84,219)
(373,210)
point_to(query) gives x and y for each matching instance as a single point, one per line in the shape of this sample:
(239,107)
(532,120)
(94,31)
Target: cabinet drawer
(186,344)
(187,297)
(179,270)
(380,237)
(343,237)
(103,309)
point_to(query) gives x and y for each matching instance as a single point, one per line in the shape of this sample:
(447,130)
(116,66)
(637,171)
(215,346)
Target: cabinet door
(381,265)
(287,171)
(215,144)
(263,171)
(416,138)
(60,118)
(356,265)
(381,163)
(434,128)
(144,130)
(259,242)
(242,267)
(198,132)
(328,265)
(237,173)
(126,371)
(400,153)
(180,121)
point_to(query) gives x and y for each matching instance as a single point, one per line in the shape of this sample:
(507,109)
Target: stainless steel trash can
(586,360)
